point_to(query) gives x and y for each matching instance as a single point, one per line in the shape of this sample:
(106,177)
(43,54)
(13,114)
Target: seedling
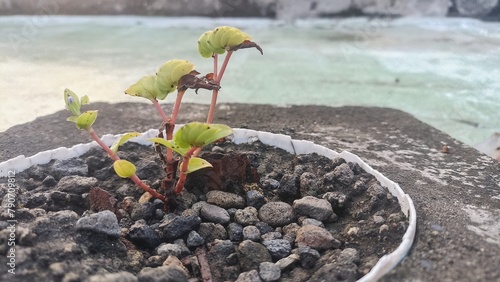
(188,141)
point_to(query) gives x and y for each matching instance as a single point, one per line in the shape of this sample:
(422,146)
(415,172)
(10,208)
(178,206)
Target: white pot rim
(240,136)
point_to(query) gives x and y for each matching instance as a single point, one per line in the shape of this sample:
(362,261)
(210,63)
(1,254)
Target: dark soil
(260,213)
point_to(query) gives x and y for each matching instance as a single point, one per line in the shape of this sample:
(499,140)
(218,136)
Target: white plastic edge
(285,142)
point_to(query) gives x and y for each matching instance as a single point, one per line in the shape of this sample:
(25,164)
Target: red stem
(160,110)
(184,168)
(148,189)
(223,67)
(216,59)
(218,78)
(115,157)
(94,136)
(177,106)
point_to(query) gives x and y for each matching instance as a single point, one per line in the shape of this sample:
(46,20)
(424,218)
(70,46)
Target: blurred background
(435,59)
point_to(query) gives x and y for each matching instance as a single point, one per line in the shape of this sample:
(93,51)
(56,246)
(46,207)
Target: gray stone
(255,199)
(76,184)
(312,221)
(249,276)
(163,274)
(310,185)
(179,225)
(271,236)
(313,207)
(269,183)
(316,237)
(225,200)
(49,181)
(330,271)
(235,232)
(475,8)
(264,227)
(68,167)
(268,271)
(251,254)
(103,222)
(211,231)
(144,211)
(194,239)
(342,175)
(348,256)
(176,250)
(122,276)
(278,248)
(246,216)
(276,213)
(289,186)
(288,262)
(214,214)
(336,199)
(251,232)
(308,257)
(144,235)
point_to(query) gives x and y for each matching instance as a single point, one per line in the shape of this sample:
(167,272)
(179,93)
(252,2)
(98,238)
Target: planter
(384,264)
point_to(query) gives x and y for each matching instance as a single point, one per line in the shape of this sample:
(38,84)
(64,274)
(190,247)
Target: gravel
(248,231)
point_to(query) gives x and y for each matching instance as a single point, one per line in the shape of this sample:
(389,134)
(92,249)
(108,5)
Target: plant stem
(177,106)
(216,59)
(115,157)
(160,110)
(94,136)
(218,78)
(146,188)
(223,67)
(184,168)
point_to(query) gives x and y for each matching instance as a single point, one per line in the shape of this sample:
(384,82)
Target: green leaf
(172,145)
(169,74)
(85,100)
(122,140)
(72,118)
(196,164)
(72,102)
(146,87)
(124,168)
(86,120)
(197,134)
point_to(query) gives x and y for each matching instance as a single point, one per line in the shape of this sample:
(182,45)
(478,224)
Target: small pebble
(268,271)
(251,233)
(246,216)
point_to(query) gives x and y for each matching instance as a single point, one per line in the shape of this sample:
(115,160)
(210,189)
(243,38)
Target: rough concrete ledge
(457,194)
(281,9)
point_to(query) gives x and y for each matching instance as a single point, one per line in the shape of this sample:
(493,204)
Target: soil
(315,218)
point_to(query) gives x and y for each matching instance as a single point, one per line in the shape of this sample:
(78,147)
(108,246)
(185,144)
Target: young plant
(84,121)
(216,42)
(173,75)
(187,140)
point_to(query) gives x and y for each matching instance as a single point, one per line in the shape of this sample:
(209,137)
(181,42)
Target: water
(443,71)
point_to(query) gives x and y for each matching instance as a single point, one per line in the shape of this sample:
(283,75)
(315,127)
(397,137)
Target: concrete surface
(282,9)
(457,194)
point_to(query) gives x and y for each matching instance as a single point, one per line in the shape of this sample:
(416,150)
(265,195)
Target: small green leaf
(124,168)
(72,102)
(146,87)
(86,120)
(196,164)
(72,118)
(197,134)
(171,144)
(216,132)
(85,100)
(122,140)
